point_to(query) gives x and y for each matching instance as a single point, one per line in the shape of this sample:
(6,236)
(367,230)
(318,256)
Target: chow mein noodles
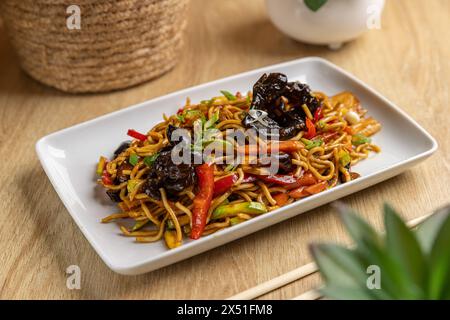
(315,140)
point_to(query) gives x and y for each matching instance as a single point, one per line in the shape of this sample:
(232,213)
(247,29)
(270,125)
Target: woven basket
(121,42)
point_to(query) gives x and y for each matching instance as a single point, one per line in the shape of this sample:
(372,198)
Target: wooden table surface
(407,61)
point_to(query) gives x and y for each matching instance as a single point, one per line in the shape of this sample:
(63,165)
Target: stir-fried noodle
(338,140)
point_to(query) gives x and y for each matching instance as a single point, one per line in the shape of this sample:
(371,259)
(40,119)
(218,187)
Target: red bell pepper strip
(249,178)
(307,191)
(306,179)
(316,188)
(281,198)
(202,200)
(224,184)
(278,179)
(106,178)
(329,136)
(349,130)
(137,135)
(288,146)
(298,193)
(311,129)
(289,181)
(318,114)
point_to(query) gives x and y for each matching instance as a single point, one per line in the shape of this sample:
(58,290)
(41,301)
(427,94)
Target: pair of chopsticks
(298,274)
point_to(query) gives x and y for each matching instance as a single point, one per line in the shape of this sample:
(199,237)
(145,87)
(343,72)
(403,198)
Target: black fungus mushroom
(285,165)
(120,176)
(268,110)
(182,135)
(165,173)
(123,146)
(114,195)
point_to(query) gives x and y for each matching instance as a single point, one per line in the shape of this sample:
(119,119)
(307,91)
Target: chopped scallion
(134,159)
(228,95)
(149,160)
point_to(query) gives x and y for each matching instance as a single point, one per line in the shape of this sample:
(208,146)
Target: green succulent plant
(401,263)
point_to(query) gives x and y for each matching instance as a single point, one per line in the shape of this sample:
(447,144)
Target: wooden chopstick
(298,274)
(313,294)
(276,283)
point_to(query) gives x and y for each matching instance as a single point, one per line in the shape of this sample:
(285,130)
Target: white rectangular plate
(69,158)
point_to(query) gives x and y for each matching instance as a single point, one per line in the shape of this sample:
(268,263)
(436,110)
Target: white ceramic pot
(336,22)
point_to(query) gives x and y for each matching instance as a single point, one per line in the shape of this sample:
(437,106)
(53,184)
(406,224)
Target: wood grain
(407,60)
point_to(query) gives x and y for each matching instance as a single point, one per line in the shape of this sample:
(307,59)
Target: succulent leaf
(343,267)
(393,280)
(339,265)
(369,247)
(413,264)
(360,231)
(345,293)
(403,247)
(439,276)
(427,231)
